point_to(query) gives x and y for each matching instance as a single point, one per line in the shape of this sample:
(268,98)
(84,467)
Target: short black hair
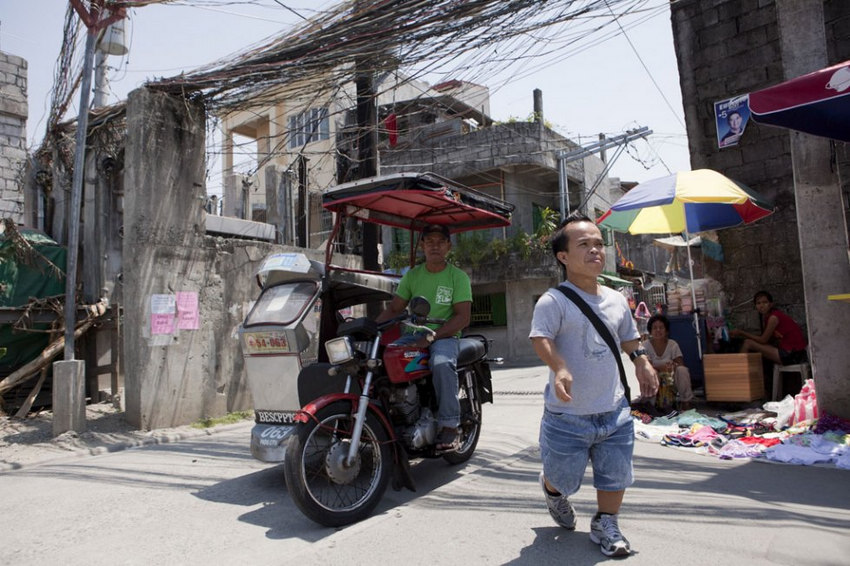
(559,239)
(655,318)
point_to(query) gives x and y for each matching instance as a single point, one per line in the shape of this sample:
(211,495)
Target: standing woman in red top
(781,340)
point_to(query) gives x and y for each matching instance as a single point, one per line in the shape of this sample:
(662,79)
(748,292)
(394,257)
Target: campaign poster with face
(731,116)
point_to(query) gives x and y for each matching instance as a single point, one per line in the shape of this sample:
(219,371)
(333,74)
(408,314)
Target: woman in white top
(666,356)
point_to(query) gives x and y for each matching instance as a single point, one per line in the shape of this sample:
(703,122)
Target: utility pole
(367,149)
(565,157)
(69,376)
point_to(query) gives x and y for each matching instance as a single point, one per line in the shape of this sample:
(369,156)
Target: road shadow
(283,520)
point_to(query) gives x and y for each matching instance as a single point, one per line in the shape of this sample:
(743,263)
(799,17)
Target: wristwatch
(429,338)
(636,353)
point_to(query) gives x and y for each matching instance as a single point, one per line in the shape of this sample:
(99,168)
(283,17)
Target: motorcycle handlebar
(413,321)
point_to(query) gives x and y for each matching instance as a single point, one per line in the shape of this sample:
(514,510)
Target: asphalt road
(204,500)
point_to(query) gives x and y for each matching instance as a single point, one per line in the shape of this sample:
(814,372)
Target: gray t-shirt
(596,379)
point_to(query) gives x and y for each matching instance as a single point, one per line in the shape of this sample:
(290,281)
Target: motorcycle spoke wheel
(322,484)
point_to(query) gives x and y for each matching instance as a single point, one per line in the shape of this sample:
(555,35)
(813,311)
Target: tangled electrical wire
(359,37)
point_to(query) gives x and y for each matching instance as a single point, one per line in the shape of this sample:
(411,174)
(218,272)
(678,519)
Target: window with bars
(489,310)
(308,126)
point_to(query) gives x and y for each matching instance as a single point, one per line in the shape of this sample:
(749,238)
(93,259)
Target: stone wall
(13,132)
(727,48)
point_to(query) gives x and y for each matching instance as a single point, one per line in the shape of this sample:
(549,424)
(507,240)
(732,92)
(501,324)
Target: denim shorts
(568,441)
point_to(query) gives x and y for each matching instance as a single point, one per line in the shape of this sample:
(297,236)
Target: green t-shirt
(443,289)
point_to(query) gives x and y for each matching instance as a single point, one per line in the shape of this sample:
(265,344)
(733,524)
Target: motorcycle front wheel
(322,484)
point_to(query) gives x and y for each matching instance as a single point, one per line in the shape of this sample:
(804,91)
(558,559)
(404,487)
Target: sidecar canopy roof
(414,200)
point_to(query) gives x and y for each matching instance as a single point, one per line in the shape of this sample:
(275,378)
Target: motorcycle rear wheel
(322,487)
(470,429)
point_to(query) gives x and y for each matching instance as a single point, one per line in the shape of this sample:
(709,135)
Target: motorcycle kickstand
(402,477)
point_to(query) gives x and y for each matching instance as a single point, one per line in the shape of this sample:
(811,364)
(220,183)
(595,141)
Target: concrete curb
(160,437)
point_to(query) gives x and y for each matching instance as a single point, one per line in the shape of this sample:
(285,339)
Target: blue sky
(600,88)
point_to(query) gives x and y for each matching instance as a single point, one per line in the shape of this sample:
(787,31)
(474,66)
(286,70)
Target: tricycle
(335,398)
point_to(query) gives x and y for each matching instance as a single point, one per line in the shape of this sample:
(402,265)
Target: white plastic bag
(784,411)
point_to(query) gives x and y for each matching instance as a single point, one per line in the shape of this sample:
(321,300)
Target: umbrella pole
(693,293)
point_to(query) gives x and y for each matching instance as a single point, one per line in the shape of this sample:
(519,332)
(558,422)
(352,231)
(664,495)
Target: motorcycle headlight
(339,350)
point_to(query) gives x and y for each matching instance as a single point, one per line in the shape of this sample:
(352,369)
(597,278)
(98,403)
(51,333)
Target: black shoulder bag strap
(602,330)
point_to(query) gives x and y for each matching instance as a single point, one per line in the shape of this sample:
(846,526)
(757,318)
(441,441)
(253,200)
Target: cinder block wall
(13,129)
(727,48)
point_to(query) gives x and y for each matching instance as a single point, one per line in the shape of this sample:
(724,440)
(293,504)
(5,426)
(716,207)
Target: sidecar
(303,300)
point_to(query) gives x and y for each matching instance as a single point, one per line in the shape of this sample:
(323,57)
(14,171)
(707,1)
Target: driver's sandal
(448,440)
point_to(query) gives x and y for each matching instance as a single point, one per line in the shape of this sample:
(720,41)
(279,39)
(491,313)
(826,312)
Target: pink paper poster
(188,316)
(162,324)
(162,314)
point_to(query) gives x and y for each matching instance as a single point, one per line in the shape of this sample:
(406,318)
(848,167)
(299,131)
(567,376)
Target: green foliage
(521,244)
(397,261)
(530,119)
(473,249)
(548,223)
(229,418)
(469,249)
(499,248)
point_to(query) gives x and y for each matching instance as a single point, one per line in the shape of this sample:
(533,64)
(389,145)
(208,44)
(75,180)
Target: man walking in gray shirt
(587,415)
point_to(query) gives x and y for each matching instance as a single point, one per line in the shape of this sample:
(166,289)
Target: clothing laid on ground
(681,375)
(443,290)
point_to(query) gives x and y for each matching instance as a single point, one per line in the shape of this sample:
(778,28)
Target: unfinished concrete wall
(184,374)
(163,235)
(13,131)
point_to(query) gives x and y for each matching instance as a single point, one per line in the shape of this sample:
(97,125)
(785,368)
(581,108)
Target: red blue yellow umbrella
(689,202)
(686,202)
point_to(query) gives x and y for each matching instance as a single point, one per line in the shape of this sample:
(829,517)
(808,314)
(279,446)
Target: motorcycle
(347,445)
(343,426)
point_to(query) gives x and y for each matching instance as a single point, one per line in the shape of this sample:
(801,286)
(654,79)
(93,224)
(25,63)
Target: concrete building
(727,48)
(13,129)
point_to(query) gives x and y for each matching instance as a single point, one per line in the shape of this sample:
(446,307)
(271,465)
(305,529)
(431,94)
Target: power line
(645,68)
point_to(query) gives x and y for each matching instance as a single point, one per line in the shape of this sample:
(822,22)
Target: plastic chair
(778,370)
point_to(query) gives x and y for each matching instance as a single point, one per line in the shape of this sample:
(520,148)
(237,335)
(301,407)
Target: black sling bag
(602,330)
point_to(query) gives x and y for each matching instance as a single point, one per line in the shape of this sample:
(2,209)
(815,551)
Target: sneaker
(605,532)
(559,507)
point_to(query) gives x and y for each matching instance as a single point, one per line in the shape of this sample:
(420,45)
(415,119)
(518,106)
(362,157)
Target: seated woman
(666,356)
(777,328)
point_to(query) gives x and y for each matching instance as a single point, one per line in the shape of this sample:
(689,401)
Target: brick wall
(13,135)
(727,48)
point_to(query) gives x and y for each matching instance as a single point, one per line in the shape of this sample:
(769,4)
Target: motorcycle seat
(470,350)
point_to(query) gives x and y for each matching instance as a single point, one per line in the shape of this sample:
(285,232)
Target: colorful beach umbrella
(686,202)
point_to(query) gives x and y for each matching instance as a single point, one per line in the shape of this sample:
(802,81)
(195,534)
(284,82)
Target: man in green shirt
(449,291)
